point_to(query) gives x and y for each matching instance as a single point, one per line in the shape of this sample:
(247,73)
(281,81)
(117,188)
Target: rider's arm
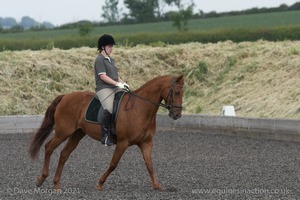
(107,79)
(120,80)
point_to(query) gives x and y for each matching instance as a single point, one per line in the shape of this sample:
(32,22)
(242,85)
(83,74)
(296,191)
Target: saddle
(94,112)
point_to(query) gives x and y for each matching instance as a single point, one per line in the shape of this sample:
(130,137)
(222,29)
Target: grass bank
(261,79)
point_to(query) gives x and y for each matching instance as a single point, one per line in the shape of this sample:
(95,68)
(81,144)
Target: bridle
(169,102)
(170,106)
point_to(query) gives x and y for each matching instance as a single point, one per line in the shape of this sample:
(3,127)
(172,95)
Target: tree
(283,7)
(17,28)
(176,2)
(180,18)
(27,22)
(295,6)
(110,11)
(8,22)
(142,10)
(85,27)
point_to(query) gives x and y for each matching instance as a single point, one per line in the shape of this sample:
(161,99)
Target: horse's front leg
(146,148)
(120,149)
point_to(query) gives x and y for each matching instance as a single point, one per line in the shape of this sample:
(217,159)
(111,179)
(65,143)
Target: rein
(167,106)
(147,100)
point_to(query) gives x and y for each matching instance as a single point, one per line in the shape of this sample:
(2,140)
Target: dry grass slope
(261,79)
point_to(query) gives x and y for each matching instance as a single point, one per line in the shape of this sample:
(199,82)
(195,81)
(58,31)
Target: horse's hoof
(99,187)
(159,189)
(39,182)
(57,187)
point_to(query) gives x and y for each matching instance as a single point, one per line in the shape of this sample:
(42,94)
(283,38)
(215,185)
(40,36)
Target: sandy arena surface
(188,166)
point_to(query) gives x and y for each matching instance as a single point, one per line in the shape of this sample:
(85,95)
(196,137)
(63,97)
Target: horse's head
(173,97)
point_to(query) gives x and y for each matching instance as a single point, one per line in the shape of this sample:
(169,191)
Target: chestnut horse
(135,125)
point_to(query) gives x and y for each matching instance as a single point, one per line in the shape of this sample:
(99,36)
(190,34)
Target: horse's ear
(180,79)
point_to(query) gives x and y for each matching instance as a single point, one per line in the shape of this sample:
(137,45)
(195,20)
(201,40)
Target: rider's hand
(120,85)
(126,86)
(123,86)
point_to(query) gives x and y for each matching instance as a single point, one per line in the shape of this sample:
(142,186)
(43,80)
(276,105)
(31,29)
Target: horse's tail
(45,129)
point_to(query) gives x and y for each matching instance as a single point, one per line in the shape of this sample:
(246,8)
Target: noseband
(169,100)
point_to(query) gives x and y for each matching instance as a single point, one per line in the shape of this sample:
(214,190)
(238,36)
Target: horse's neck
(150,98)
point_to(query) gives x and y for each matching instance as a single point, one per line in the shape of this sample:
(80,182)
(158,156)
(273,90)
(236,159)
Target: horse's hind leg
(49,148)
(64,155)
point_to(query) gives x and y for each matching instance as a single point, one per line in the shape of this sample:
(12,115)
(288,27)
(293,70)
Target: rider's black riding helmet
(105,40)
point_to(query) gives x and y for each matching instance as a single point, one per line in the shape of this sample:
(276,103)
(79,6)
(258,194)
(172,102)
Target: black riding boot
(105,129)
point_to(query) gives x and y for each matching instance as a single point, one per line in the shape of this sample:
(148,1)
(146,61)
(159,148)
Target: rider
(108,82)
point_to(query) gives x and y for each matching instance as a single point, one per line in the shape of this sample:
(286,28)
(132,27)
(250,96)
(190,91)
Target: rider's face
(108,49)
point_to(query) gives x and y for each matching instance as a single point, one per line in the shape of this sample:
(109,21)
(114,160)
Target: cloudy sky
(59,12)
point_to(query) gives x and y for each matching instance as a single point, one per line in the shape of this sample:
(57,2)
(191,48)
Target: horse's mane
(158,79)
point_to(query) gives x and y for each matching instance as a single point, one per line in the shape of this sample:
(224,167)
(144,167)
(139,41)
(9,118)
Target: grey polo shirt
(106,66)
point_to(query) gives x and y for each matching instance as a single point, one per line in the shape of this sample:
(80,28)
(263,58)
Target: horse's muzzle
(174,116)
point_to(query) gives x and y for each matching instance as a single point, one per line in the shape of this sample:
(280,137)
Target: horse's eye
(177,93)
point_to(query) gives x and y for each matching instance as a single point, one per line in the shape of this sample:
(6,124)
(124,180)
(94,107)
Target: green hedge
(235,35)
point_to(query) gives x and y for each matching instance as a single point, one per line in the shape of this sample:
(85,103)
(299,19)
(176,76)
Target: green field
(242,21)
(269,26)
